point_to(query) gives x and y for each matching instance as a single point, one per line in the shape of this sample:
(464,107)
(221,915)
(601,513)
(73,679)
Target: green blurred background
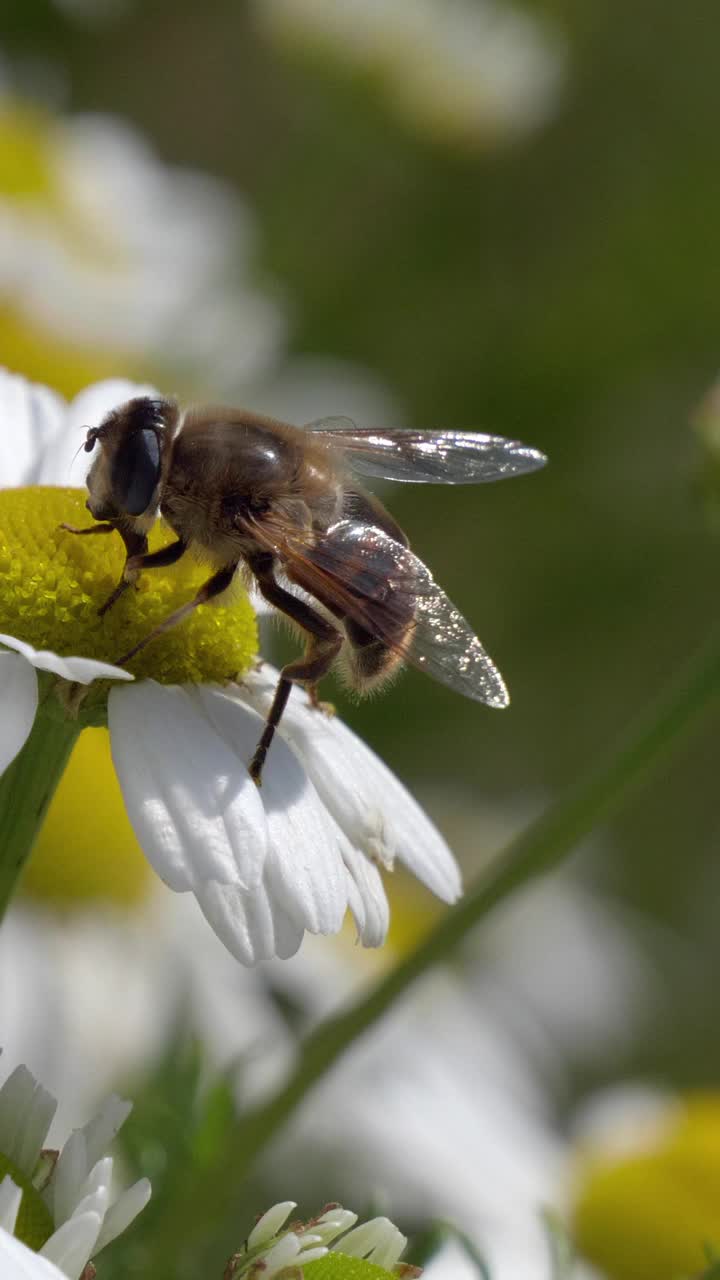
(562,289)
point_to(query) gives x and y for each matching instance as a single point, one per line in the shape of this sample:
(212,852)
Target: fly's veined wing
(428,457)
(364,573)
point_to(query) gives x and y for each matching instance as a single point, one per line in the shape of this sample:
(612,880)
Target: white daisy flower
(479,72)
(265,865)
(269,1248)
(104,248)
(167,972)
(59,1204)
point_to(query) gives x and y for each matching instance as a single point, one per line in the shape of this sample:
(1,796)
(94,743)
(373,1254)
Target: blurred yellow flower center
(103,861)
(53,583)
(25,164)
(654,1213)
(34,1224)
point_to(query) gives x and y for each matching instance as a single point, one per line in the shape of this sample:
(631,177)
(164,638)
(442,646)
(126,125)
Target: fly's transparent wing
(359,571)
(428,457)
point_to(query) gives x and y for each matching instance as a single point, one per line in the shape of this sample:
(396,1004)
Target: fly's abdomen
(376,599)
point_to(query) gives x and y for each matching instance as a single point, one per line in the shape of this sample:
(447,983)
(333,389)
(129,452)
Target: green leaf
(216,1116)
(338,1266)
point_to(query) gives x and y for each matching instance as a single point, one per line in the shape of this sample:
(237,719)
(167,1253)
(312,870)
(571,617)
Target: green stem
(26,789)
(542,846)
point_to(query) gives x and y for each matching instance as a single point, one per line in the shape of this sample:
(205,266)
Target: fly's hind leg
(317,703)
(324,644)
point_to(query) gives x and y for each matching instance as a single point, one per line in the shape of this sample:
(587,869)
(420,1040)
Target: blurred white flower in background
(111,259)
(444,1109)
(478,71)
(165,971)
(103,246)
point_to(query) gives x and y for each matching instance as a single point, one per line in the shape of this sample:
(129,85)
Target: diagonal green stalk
(26,789)
(543,845)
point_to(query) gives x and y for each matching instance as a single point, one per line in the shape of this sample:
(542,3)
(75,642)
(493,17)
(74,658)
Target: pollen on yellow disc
(87,848)
(54,581)
(34,1224)
(653,1215)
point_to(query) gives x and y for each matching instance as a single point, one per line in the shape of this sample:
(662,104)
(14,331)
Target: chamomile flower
(265,865)
(480,72)
(109,258)
(273,1245)
(58,1204)
(103,249)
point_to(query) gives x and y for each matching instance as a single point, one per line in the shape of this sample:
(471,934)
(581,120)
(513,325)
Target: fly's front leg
(323,647)
(139,558)
(135,547)
(219,582)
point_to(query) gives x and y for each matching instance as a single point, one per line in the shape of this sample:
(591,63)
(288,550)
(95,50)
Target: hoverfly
(284,505)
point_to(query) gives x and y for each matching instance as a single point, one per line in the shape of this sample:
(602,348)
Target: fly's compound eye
(136,471)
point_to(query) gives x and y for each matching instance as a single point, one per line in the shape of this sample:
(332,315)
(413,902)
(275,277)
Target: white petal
(192,803)
(104,1127)
(72,1246)
(98,1179)
(372,807)
(17,1262)
(333,1223)
(18,698)
(124,1211)
(64,461)
(80,670)
(368,902)
(44,1106)
(16,1097)
(281,1254)
(378,1239)
(70,1173)
(249,923)
(305,873)
(10,1200)
(270,1223)
(31,415)
(96,1201)
(26,1110)
(311,1255)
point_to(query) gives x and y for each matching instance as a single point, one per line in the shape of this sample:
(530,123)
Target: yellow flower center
(652,1214)
(103,861)
(53,583)
(25,164)
(34,1223)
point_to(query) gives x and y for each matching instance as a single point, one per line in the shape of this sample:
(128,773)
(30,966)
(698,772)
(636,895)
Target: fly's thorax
(232,469)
